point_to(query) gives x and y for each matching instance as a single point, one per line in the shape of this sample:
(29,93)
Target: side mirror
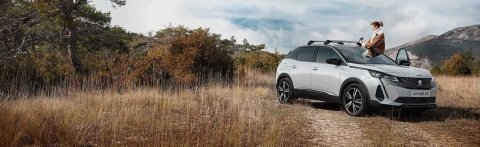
(334,60)
(404,62)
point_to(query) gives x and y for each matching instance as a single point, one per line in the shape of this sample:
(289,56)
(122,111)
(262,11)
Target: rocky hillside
(463,33)
(435,50)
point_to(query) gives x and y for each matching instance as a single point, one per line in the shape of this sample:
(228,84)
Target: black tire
(285,91)
(355,101)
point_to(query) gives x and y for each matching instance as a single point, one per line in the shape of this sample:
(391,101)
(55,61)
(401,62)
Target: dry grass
(455,121)
(242,114)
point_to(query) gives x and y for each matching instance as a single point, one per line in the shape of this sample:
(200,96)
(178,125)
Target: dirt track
(333,127)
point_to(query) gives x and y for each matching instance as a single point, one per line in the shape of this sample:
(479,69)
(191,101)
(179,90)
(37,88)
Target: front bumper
(377,105)
(385,94)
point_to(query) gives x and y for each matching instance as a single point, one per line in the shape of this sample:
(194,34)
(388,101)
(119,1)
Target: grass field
(215,114)
(455,121)
(246,113)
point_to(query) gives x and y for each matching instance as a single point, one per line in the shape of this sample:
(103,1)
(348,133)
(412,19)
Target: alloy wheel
(283,91)
(353,100)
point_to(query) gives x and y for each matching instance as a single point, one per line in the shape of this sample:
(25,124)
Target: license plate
(420,93)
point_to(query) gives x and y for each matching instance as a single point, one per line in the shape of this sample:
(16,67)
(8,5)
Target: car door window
(402,55)
(306,54)
(324,53)
(292,54)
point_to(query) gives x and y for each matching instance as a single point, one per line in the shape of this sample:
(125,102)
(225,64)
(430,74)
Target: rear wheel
(285,91)
(354,100)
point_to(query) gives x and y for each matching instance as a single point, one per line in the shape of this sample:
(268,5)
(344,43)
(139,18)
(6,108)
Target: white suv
(341,74)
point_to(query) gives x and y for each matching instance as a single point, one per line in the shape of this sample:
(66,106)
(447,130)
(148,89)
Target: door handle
(294,66)
(315,68)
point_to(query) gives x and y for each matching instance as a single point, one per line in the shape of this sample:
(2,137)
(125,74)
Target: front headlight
(377,74)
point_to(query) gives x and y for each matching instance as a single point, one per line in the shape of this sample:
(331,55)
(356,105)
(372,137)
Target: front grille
(415,100)
(413,83)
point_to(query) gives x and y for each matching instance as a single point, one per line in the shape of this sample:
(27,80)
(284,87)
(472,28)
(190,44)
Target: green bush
(436,70)
(475,67)
(261,60)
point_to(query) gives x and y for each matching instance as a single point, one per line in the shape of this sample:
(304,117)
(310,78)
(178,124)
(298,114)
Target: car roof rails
(326,42)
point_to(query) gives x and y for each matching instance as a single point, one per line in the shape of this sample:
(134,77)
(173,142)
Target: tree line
(56,42)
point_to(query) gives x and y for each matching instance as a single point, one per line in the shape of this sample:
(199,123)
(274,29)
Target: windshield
(354,55)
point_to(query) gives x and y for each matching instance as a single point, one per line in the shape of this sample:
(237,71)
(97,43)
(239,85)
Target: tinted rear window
(292,54)
(306,54)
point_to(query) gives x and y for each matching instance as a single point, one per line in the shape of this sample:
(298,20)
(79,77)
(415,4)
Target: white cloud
(306,20)
(360,25)
(413,25)
(337,34)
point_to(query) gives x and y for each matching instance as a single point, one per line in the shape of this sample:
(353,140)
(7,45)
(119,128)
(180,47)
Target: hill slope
(435,50)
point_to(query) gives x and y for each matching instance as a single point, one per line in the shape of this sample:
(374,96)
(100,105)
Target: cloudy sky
(284,24)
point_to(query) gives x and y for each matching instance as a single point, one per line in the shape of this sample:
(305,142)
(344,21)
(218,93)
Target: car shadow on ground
(438,114)
(320,105)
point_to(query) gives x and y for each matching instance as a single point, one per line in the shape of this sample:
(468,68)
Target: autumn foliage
(461,64)
(456,66)
(193,54)
(261,60)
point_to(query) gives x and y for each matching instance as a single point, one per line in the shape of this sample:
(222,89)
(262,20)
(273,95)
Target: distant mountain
(463,33)
(435,50)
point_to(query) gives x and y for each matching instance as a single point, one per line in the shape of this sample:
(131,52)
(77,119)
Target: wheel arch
(351,81)
(285,75)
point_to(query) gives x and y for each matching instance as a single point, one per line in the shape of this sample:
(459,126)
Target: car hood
(395,70)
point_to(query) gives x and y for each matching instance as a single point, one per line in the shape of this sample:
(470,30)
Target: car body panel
(300,73)
(327,82)
(326,78)
(283,68)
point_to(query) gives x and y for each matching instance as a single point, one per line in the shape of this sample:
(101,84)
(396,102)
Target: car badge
(419,83)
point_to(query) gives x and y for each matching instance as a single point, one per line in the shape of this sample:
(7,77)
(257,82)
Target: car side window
(306,54)
(402,55)
(292,54)
(324,53)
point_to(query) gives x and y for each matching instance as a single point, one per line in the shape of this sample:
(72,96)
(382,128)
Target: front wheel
(354,100)
(284,90)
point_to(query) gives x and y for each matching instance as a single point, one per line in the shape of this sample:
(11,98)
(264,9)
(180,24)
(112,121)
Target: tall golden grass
(454,122)
(244,113)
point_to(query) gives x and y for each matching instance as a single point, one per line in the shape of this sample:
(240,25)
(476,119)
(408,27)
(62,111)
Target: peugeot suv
(339,73)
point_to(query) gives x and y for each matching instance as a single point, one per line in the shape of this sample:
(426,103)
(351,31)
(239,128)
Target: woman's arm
(379,39)
(362,44)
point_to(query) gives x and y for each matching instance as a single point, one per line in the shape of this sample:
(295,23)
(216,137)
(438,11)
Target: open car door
(402,57)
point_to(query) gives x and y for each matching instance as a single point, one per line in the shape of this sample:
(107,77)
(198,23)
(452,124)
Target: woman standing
(376,44)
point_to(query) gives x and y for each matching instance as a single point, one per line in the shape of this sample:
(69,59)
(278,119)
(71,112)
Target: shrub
(261,60)
(475,67)
(194,53)
(149,69)
(436,70)
(456,66)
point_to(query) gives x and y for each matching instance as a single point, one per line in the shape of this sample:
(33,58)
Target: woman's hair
(377,23)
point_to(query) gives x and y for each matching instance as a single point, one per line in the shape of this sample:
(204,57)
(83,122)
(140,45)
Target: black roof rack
(326,42)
